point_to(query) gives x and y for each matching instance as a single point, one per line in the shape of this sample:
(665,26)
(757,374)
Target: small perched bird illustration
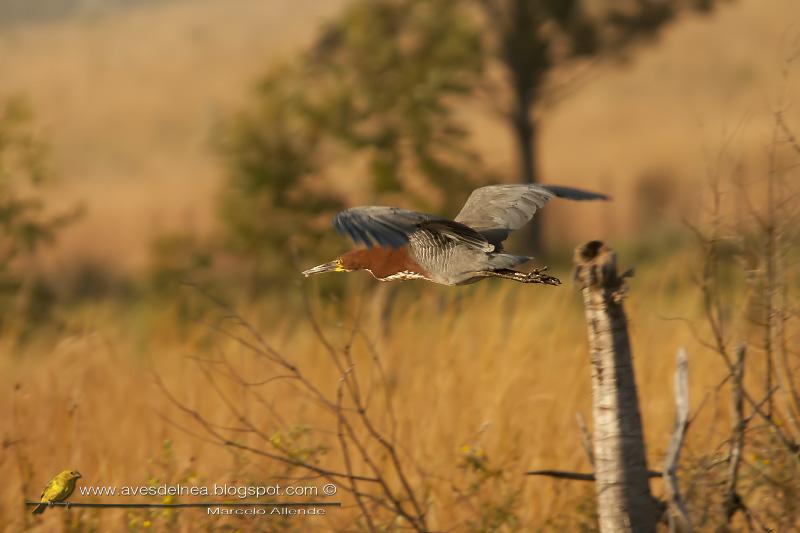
(402,244)
(58,489)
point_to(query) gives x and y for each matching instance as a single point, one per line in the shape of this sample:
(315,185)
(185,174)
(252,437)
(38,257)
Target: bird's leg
(535,276)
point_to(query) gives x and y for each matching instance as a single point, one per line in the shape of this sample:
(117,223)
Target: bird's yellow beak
(333,266)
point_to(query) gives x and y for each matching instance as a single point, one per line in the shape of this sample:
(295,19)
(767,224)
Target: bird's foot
(536,276)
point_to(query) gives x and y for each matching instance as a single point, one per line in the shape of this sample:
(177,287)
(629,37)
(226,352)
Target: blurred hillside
(14,12)
(128,100)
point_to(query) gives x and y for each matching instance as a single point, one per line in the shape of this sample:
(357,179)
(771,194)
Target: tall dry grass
(496,367)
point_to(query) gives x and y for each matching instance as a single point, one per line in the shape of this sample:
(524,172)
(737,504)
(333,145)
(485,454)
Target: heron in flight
(402,244)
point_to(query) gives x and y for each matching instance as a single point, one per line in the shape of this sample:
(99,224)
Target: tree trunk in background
(624,502)
(524,51)
(525,134)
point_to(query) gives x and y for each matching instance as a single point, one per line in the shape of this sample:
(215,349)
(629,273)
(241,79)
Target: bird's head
(74,474)
(379,261)
(337,265)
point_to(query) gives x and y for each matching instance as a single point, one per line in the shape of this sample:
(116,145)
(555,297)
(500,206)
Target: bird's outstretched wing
(571,193)
(392,226)
(497,210)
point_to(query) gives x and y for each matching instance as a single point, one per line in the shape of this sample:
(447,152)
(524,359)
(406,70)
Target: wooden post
(624,502)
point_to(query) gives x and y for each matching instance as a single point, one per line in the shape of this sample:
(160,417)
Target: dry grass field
(498,368)
(128,102)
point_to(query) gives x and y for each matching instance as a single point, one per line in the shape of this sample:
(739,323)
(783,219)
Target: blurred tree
(270,201)
(375,88)
(25,225)
(375,94)
(533,38)
(178,257)
(386,75)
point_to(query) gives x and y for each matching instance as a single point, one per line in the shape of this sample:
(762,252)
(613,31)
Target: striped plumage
(403,244)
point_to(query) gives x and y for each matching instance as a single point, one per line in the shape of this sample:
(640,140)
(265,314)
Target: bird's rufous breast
(382,261)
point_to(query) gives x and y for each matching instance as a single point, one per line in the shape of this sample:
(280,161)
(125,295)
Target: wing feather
(392,226)
(497,210)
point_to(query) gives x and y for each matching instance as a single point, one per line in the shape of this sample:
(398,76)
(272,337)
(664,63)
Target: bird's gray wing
(392,226)
(497,210)
(571,193)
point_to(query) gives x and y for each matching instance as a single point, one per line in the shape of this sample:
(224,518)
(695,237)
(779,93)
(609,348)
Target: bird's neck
(384,263)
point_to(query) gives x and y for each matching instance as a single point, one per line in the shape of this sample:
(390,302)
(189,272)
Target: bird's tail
(507,260)
(39,509)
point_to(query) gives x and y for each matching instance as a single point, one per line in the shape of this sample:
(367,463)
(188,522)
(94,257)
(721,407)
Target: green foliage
(25,223)
(164,470)
(272,199)
(272,153)
(534,38)
(386,73)
(373,94)
(487,492)
(297,444)
(176,258)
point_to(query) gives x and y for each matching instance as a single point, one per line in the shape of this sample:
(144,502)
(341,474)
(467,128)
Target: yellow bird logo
(58,489)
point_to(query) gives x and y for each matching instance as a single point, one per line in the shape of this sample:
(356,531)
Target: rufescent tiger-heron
(402,244)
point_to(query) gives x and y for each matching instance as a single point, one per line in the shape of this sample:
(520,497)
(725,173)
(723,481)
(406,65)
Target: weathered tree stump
(624,502)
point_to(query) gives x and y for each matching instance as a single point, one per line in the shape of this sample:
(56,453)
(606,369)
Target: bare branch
(677,513)
(733,501)
(586,437)
(578,476)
